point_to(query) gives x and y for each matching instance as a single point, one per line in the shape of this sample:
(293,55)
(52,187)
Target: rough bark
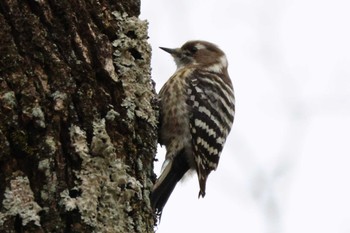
(77,118)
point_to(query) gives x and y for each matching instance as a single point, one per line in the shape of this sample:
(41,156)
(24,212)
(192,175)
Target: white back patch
(218,67)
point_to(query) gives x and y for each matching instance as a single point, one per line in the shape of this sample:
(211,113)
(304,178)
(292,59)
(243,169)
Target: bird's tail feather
(164,186)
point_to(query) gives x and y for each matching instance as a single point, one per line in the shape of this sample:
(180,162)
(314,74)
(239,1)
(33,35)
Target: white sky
(285,166)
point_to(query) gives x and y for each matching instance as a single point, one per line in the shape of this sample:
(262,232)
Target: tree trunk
(77,117)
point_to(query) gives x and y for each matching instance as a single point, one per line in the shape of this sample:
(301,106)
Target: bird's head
(201,54)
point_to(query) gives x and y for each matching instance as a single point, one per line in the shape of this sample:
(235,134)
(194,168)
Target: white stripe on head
(200,46)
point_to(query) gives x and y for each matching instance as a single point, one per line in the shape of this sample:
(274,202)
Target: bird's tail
(165,184)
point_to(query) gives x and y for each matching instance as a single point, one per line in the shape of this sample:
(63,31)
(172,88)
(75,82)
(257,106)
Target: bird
(196,108)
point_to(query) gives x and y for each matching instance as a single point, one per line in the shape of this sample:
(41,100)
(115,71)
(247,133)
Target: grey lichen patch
(106,187)
(82,47)
(38,117)
(44,165)
(139,164)
(79,143)
(112,115)
(68,202)
(132,59)
(19,200)
(51,145)
(101,143)
(59,98)
(8,100)
(50,186)
(109,67)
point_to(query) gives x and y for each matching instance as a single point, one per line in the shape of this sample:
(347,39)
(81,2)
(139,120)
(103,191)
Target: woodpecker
(197,107)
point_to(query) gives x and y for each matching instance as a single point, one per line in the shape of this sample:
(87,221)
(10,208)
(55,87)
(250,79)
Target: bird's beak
(173,52)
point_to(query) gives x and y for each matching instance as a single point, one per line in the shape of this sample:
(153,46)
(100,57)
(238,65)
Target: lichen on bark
(78,117)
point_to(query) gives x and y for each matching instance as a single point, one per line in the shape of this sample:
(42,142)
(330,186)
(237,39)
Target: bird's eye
(193,49)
